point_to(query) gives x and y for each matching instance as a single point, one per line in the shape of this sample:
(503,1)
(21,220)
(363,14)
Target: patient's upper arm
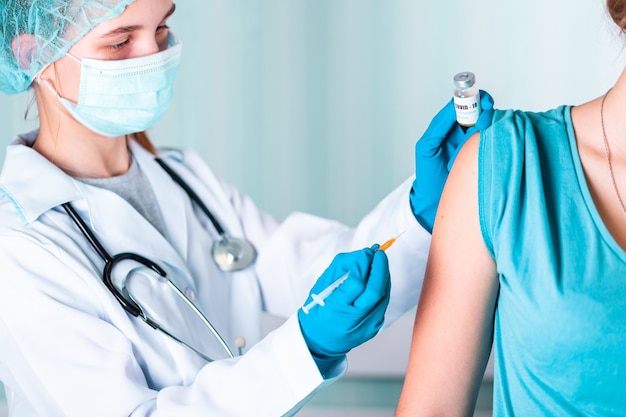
(454,320)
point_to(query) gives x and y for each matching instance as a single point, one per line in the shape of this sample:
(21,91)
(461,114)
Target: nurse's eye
(161,36)
(120,45)
(162,28)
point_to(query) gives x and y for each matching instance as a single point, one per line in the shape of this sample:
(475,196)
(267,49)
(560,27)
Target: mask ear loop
(46,83)
(56,81)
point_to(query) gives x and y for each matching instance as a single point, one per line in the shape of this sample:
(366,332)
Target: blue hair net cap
(36,33)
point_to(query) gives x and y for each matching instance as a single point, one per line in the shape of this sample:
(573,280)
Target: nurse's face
(139,31)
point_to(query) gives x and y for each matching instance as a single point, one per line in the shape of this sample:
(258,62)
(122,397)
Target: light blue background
(315,105)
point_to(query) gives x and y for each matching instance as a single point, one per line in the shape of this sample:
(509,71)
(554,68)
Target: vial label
(467,109)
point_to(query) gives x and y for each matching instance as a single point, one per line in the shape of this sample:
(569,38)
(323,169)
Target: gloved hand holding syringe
(318,299)
(346,309)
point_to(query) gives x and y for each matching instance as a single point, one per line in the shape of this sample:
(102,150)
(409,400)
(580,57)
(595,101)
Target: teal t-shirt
(560,323)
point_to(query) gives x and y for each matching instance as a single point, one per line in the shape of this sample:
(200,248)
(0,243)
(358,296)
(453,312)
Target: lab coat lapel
(244,305)
(245,301)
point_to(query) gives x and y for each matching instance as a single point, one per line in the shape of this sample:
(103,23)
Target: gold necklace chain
(607,153)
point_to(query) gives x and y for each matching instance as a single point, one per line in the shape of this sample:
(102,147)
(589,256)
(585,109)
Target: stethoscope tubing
(224,259)
(129,303)
(192,194)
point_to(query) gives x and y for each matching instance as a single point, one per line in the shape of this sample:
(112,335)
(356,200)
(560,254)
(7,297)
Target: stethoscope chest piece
(229,253)
(233,254)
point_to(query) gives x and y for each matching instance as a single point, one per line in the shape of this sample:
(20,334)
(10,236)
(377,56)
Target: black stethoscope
(229,254)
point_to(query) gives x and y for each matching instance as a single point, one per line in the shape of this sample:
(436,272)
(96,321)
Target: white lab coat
(67,348)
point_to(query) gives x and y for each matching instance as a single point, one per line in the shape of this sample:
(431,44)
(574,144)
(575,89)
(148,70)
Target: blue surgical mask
(121,97)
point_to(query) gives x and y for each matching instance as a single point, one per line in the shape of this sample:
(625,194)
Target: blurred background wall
(315,105)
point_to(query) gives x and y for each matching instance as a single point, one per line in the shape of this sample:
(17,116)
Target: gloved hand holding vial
(436,150)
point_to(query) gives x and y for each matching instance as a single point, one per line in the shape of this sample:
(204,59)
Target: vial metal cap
(464,79)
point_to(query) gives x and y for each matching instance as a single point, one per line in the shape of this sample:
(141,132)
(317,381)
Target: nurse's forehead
(129,22)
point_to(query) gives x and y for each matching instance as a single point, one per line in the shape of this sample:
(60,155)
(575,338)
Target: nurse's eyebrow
(121,31)
(170,12)
(127,29)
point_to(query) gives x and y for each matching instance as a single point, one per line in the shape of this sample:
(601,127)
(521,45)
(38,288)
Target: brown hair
(617,10)
(143,139)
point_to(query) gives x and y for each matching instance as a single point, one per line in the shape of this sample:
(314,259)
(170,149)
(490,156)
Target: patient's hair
(617,10)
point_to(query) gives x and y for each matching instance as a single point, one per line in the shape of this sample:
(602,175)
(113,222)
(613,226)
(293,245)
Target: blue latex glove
(435,152)
(355,311)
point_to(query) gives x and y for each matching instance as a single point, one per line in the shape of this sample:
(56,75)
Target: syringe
(318,299)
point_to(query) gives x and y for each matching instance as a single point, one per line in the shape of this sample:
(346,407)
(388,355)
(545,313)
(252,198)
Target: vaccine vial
(466,99)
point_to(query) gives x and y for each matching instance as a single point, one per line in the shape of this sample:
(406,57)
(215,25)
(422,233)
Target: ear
(25,50)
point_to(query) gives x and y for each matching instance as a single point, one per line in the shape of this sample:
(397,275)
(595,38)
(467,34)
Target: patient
(528,254)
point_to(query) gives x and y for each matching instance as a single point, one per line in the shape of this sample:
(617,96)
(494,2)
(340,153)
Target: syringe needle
(390,242)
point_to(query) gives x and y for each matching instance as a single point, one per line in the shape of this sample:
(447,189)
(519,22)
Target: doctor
(132,280)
